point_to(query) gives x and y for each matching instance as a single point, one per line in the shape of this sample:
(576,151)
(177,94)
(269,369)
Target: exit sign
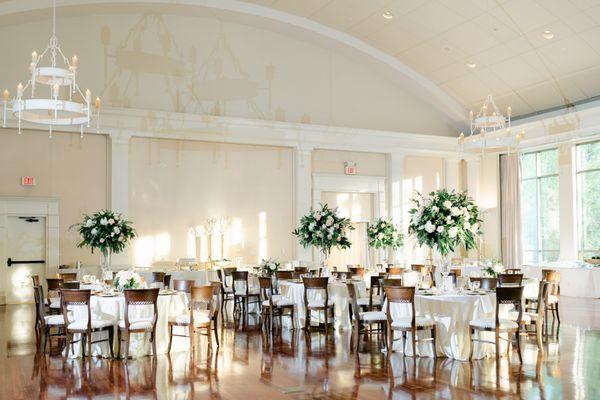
(28,180)
(350,168)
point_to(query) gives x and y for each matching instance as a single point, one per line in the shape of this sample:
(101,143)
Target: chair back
(541,300)
(53,285)
(35,279)
(266,289)
(183,285)
(511,295)
(68,276)
(352,294)
(553,278)
(141,297)
(70,285)
(201,296)
(452,275)
(457,272)
(318,284)
(284,275)
(216,286)
(228,273)
(513,270)
(395,271)
(392,282)
(400,295)
(241,278)
(301,270)
(360,271)
(76,298)
(343,275)
(158,277)
(485,283)
(40,309)
(510,279)
(167,281)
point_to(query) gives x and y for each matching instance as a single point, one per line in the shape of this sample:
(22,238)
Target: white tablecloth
(452,313)
(338,293)
(574,281)
(113,308)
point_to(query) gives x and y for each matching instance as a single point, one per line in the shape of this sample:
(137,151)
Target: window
(588,198)
(540,206)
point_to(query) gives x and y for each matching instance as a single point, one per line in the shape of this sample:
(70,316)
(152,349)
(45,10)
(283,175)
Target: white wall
(175,185)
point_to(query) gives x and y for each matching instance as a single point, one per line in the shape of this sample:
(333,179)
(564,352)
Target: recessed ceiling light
(548,35)
(388,15)
(471,65)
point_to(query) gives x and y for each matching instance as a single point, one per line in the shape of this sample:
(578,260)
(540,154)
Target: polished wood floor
(251,366)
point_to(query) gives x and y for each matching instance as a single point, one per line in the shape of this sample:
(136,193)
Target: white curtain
(510,189)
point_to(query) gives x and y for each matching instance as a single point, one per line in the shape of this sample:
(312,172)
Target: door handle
(10,262)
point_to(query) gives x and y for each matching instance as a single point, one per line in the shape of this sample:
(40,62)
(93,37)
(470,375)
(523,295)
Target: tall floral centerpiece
(443,221)
(107,232)
(269,267)
(383,234)
(324,229)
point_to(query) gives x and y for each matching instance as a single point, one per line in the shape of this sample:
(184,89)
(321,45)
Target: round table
(113,308)
(452,313)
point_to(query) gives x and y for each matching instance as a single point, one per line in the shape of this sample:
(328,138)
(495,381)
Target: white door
(26,252)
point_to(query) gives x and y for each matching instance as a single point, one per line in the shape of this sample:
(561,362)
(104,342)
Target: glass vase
(105,257)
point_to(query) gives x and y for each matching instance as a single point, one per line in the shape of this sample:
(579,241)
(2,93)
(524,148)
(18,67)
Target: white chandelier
(489,128)
(66,105)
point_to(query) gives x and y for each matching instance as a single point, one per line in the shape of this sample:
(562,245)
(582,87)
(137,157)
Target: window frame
(538,177)
(578,199)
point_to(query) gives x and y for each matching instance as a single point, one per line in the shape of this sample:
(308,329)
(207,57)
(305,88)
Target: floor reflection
(294,365)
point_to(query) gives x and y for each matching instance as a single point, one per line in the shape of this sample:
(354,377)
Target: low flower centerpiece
(127,280)
(324,229)
(443,221)
(269,267)
(107,232)
(384,234)
(492,268)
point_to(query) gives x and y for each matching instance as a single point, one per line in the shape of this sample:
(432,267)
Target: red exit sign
(28,180)
(350,168)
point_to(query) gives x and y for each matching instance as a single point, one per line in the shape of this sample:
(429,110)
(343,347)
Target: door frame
(375,185)
(34,207)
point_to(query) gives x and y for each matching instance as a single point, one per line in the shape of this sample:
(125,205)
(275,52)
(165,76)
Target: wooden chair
(513,270)
(284,275)
(242,294)
(45,323)
(535,318)
(395,271)
(273,305)
(35,279)
(87,326)
(70,285)
(158,277)
(183,285)
(226,289)
(356,271)
(167,282)
(510,295)
(127,326)
(552,294)
(456,271)
(53,285)
(485,283)
(342,275)
(68,276)
(510,279)
(301,270)
(323,304)
(412,324)
(367,318)
(216,306)
(196,319)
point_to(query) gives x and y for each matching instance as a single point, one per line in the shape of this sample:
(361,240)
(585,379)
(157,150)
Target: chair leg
(472,343)
(216,332)
(89,343)
(390,335)
(433,333)
(69,340)
(557,315)
(153,338)
(126,352)
(170,338)
(414,342)
(111,339)
(191,332)
(118,342)
(518,337)
(497,341)
(538,334)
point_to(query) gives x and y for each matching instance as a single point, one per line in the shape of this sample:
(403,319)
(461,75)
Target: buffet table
(574,281)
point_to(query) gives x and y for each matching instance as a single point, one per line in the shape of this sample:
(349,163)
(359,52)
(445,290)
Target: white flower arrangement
(383,233)
(127,280)
(268,267)
(324,229)
(445,220)
(106,231)
(492,268)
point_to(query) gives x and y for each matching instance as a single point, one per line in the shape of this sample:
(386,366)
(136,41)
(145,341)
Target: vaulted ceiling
(502,39)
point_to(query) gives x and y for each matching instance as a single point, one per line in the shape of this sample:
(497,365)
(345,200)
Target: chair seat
(137,323)
(405,322)
(279,302)
(526,318)
(96,324)
(552,299)
(227,289)
(251,292)
(201,317)
(373,316)
(319,303)
(364,301)
(490,323)
(55,302)
(54,320)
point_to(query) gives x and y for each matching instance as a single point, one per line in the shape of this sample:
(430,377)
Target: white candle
(55,90)
(19,90)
